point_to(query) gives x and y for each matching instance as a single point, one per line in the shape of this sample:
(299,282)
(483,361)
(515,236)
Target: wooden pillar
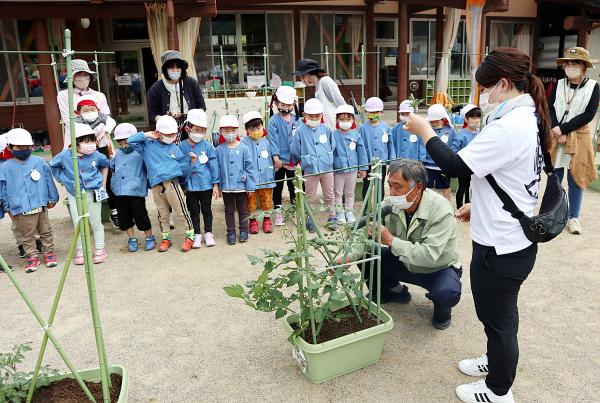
(371,87)
(482,47)
(172,37)
(582,38)
(297,36)
(40,32)
(402,62)
(439,36)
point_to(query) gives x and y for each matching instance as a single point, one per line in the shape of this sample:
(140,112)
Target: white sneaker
(341,218)
(474,366)
(197,241)
(574,226)
(477,392)
(209,239)
(350,217)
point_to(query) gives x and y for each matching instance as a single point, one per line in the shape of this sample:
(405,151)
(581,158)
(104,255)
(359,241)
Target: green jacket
(429,244)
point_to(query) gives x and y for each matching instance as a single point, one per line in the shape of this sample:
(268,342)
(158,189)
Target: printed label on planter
(300,359)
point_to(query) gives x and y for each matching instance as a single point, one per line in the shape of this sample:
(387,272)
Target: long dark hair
(515,66)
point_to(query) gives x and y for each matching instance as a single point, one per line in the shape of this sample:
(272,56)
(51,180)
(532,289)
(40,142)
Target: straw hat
(577,53)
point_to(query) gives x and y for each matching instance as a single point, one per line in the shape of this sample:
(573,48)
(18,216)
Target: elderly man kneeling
(419,239)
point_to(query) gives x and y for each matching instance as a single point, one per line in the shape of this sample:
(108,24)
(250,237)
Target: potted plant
(332,326)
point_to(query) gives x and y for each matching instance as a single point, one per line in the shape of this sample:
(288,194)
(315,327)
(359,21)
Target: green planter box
(325,361)
(93,375)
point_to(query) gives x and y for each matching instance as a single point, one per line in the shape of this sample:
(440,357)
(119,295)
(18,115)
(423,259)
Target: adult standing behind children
(573,104)
(326,89)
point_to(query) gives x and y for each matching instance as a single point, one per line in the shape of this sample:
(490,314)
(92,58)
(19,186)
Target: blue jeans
(575,193)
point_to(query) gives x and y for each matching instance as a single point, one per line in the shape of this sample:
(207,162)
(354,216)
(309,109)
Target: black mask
(285,111)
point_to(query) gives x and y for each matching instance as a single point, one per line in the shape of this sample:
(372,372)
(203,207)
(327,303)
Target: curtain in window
(303,32)
(522,38)
(440,95)
(188,32)
(156,13)
(474,19)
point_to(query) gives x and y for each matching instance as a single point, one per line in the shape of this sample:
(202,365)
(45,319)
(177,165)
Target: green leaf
(235,291)
(254,260)
(280,313)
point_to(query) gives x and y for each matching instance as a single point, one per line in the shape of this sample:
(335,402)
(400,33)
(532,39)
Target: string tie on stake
(66,53)
(373,176)
(81,216)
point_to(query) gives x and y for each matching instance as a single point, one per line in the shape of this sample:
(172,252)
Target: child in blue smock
(165,164)
(281,129)
(440,122)
(376,136)
(349,152)
(93,173)
(313,146)
(472,117)
(203,177)
(258,145)
(237,177)
(27,191)
(406,144)
(130,187)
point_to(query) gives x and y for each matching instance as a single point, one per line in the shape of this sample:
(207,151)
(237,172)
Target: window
(511,34)
(339,34)
(385,30)
(422,48)
(127,29)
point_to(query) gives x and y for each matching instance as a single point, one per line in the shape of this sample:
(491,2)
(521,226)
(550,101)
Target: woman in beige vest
(573,103)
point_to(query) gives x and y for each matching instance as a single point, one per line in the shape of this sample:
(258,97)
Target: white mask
(484,104)
(196,138)
(81,82)
(89,116)
(572,71)
(400,202)
(167,140)
(345,124)
(313,123)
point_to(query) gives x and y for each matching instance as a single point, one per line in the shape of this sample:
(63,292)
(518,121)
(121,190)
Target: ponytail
(537,92)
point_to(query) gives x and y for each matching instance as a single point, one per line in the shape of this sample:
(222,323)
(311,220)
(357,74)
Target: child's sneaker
(164,245)
(50,259)
(197,241)
(132,245)
(231,238)
(331,223)
(279,221)
(32,264)
(78,259)
(187,244)
(253,227)
(267,226)
(341,218)
(350,217)
(209,239)
(150,243)
(100,256)
(22,253)
(243,236)
(310,225)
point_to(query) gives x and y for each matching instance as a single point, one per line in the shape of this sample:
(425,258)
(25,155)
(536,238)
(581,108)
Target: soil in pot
(69,391)
(347,324)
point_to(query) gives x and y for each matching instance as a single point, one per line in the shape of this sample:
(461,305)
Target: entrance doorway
(388,74)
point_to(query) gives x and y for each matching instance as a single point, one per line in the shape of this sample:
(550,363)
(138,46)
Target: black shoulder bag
(554,211)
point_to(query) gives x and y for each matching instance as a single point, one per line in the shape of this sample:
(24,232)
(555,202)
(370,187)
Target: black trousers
(200,201)
(111,196)
(495,283)
(366,180)
(278,191)
(132,210)
(462,193)
(233,202)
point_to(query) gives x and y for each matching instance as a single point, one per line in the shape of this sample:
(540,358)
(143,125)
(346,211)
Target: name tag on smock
(203,158)
(413,138)
(445,138)
(384,138)
(323,138)
(264,154)
(352,146)
(35,175)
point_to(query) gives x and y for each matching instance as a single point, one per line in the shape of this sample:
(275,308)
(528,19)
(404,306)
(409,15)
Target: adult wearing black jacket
(175,93)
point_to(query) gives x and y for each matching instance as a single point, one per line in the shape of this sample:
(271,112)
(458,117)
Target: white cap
(313,106)
(251,116)
(286,94)
(374,104)
(3,141)
(166,124)
(82,129)
(344,109)
(437,112)
(19,137)
(406,107)
(228,121)
(197,117)
(124,130)
(466,109)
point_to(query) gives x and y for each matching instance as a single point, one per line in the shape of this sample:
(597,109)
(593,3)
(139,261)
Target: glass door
(127,89)
(388,74)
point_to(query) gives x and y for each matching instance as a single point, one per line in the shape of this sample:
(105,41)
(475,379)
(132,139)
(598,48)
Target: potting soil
(69,391)
(347,324)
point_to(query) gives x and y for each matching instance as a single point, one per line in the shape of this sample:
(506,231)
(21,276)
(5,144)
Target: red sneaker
(253,227)
(50,259)
(164,245)
(267,226)
(187,244)
(32,264)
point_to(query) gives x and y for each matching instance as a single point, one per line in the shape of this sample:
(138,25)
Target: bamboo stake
(48,331)
(266,67)
(299,225)
(379,223)
(224,80)
(372,213)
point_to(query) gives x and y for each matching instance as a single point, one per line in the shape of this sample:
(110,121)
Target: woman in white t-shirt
(510,148)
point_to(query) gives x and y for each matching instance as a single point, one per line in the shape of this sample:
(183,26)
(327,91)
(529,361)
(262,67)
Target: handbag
(554,210)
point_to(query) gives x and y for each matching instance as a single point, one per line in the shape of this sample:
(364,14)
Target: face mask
(285,111)
(90,116)
(196,137)
(374,116)
(167,140)
(400,202)
(484,99)
(313,123)
(87,148)
(345,124)
(126,149)
(229,137)
(174,75)
(572,71)
(22,154)
(255,134)
(81,82)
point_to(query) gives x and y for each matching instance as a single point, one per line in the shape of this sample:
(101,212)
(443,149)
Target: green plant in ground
(14,384)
